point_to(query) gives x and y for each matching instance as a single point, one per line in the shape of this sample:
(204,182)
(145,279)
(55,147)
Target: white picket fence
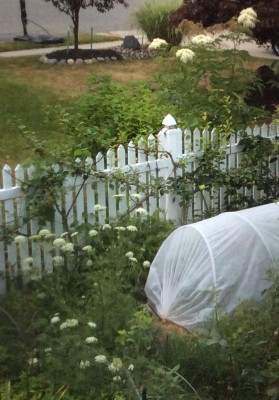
(150,162)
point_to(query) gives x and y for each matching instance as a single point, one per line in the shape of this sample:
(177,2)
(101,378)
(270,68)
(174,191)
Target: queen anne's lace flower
(141,210)
(68,247)
(93,232)
(44,232)
(201,39)
(131,367)
(146,264)
(99,207)
(69,323)
(27,264)
(20,239)
(87,248)
(157,43)
(59,243)
(101,359)
(91,339)
(116,365)
(106,226)
(136,195)
(133,259)
(129,254)
(247,18)
(84,364)
(57,261)
(185,55)
(91,324)
(132,228)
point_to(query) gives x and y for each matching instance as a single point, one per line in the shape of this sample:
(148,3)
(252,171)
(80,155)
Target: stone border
(126,54)
(78,61)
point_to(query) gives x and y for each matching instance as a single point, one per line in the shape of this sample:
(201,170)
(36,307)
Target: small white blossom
(89,263)
(136,195)
(64,234)
(68,247)
(87,248)
(157,43)
(146,264)
(91,339)
(20,239)
(185,55)
(99,207)
(91,324)
(27,264)
(141,210)
(57,261)
(55,319)
(120,228)
(106,226)
(201,39)
(129,254)
(59,243)
(101,359)
(131,367)
(48,350)
(133,259)
(74,234)
(69,323)
(118,196)
(116,378)
(132,228)
(93,233)
(44,232)
(84,364)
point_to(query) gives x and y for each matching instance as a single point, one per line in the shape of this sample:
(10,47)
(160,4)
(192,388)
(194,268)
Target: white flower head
(131,367)
(201,39)
(74,234)
(84,364)
(91,339)
(64,234)
(101,359)
(106,226)
(141,210)
(93,233)
(247,18)
(130,254)
(89,263)
(132,228)
(87,248)
(133,259)
(69,323)
(157,43)
(27,264)
(185,55)
(59,243)
(120,228)
(116,378)
(118,196)
(146,264)
(69,247)
(57,261)
(48,350)
(136,195)
(33,361)
(116,365)
(54,320)
(99,207)
(20,239)
(91,324)
(44,232)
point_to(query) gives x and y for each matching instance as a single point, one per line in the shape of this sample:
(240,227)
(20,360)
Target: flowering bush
(185,55)
(157,44)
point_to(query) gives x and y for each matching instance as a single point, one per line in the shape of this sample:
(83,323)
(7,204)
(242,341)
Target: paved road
(57,23)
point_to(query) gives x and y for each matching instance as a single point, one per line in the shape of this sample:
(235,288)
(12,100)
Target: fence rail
(150,161)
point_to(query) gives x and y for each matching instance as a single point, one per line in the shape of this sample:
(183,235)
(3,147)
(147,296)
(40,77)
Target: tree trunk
(75,18)
(23,16)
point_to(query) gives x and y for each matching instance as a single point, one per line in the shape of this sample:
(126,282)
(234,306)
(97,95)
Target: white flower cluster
(91,339)
(87,248)
(93,233)
(116,365)
(247,18)
(141,210)
(201,39)
(55,319)
(91,324)
(99,207)
(132,228)
(69,323)
(84,364)
(57,261)
(157,43)
(20,239)
(146,264)
(101,359)
(185,55)
(106,226)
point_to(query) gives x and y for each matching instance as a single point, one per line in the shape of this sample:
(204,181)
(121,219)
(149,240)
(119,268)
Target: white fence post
(170,144)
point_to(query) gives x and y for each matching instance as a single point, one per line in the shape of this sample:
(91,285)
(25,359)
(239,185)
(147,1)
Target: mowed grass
(27,86)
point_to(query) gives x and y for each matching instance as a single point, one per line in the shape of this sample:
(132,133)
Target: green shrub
(153,18)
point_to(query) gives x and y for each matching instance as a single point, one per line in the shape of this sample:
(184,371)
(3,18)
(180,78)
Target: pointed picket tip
(169,121)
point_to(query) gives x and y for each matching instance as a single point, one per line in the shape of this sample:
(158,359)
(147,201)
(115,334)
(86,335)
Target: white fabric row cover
(219,261)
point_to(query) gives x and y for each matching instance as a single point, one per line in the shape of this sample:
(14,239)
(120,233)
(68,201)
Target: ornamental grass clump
(153,18)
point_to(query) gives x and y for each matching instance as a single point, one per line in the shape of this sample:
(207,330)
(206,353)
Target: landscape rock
(52,61)
(131,42)
(79,61)
(70,61)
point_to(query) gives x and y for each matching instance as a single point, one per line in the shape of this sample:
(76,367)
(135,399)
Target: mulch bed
(83,54)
